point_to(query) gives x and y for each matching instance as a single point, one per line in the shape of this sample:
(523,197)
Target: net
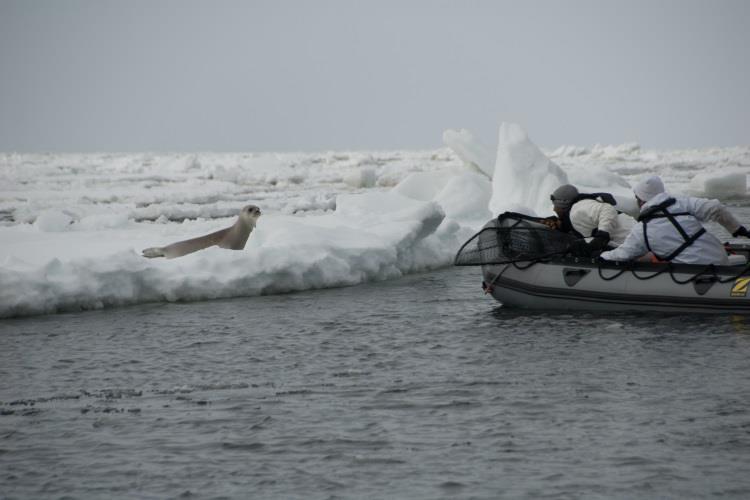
(513,238)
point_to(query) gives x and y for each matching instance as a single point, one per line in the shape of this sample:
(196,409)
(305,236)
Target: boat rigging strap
(491,285)
(610,278)
(653,213)
(669,267)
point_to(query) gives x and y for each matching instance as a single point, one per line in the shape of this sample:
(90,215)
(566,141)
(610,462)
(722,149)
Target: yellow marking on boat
(740,287)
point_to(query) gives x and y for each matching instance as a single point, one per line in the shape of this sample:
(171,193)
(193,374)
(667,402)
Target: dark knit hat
(562,198)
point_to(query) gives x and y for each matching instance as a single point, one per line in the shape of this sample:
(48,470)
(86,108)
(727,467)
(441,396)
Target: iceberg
(462,194)
(524,176)
(474,154)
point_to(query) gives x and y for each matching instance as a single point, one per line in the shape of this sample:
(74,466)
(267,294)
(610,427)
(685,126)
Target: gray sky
(284,75)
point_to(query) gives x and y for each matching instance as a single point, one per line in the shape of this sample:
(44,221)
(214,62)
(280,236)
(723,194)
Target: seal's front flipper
(154,252)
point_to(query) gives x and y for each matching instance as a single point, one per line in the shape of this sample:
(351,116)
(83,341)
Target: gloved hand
(579,248)
(741,231)
(599,242)
(551,222)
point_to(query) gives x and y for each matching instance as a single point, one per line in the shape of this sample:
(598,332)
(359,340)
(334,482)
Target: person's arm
(588,215)
(633,247)
(606,217)
(712,210)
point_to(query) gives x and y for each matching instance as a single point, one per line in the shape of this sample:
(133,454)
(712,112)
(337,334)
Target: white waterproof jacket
(587,215)
(664,238)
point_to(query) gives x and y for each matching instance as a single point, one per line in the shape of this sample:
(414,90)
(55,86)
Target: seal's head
(250,214)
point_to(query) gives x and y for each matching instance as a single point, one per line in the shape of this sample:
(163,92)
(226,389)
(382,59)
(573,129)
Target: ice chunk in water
(725,183)
(523,174)
(53,220)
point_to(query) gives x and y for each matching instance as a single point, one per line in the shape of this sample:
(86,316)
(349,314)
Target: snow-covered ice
(731,182)
(472,152)
(72,226)
(519,158)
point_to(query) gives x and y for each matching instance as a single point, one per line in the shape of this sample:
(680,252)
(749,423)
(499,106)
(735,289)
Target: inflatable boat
(527,265)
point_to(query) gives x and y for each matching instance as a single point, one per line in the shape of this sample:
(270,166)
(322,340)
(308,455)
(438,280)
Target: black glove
(599,243)
(579,248)
(741,231)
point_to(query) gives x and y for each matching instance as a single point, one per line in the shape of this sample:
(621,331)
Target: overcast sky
(329,75)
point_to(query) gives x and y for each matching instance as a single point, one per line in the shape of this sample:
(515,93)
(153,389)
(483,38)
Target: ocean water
(419,387)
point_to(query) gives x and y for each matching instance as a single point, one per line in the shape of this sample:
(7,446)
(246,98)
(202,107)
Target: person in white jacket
(589,216)
(670,228)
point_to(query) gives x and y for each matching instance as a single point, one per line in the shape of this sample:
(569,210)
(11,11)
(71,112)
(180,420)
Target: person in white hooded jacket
(670,228)
(589,216)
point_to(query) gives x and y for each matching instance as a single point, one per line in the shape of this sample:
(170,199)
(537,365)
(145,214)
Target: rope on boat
(646,278)
(613,277)
(489,287)
(708,271)
(742,273)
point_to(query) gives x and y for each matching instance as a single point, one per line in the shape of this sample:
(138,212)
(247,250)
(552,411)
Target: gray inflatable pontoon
(525,265)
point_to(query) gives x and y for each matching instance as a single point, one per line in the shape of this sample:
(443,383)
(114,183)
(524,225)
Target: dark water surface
(416,388)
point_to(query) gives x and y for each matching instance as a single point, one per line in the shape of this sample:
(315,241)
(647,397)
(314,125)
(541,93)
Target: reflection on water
(740,323)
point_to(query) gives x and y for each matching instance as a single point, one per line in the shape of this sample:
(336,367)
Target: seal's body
(232,238)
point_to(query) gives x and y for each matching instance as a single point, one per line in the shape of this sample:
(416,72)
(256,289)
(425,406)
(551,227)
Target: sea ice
(371,236)
(72,226)
(51,220)
(725,183)
(471,151)
(523,176)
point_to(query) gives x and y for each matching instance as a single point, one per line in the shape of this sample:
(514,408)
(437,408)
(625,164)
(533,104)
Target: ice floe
(72,226)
